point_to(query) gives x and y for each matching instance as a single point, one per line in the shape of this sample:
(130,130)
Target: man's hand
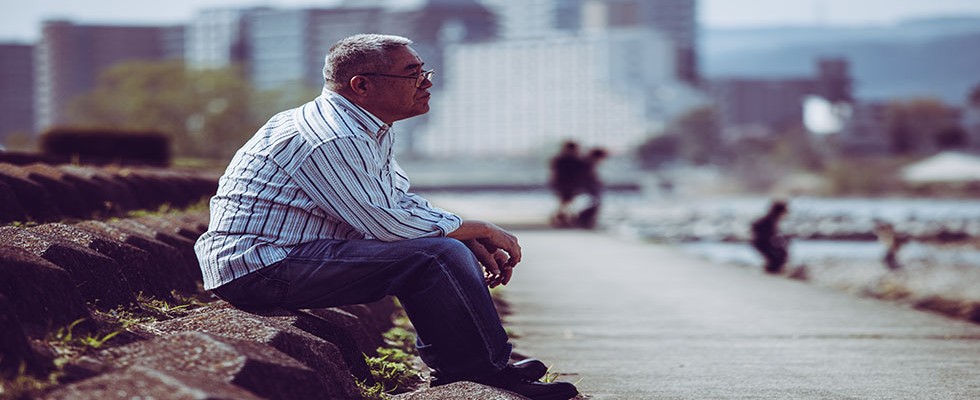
(496,270)
(494,247)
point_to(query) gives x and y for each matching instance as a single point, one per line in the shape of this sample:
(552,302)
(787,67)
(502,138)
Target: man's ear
(359,84)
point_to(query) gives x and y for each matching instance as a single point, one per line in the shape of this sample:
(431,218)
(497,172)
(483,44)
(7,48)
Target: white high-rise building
(523,97)
(215,38)
(677,19)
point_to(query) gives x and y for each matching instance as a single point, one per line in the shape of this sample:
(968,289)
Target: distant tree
(795,147)
(658,151)
(920,125)
(700,132)
(207,113)
(953,137)
(973,99)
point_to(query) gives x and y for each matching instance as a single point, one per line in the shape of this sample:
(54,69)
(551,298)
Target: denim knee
(449,251)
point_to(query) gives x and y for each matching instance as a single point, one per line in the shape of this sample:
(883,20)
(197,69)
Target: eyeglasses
(419,79)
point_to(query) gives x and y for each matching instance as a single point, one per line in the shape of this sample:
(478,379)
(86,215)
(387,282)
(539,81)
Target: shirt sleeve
(344,178)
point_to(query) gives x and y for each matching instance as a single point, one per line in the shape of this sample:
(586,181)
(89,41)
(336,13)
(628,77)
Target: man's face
(397,98)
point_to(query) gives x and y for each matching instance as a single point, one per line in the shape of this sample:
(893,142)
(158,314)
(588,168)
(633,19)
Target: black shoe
(511,381)
(530,369)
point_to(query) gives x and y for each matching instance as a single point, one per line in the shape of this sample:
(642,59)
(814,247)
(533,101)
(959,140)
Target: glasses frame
(419,79)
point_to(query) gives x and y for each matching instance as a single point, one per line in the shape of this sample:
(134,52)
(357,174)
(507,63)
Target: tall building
(287,46)
(761,107)
(71,56)
(535,18)
(523,97)
(215,38)
(677,19)
(16,90)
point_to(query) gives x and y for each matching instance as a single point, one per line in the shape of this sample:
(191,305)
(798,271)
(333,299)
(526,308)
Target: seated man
(315,212)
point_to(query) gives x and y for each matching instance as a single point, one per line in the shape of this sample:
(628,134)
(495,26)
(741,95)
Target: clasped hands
(495,248)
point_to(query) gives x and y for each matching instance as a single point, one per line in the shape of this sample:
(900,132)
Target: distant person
(767,240)
(314,211)
(592,186)
(892,241)
(566,181)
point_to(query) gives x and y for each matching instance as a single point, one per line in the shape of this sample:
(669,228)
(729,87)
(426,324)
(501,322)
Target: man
(767,240)
(592,186)
(566,176)
(315,212)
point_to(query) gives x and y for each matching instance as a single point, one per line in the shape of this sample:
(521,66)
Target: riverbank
(833,243)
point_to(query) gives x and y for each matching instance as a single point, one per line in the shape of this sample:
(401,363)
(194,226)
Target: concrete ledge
(91,269)
(148,383)
(250,365)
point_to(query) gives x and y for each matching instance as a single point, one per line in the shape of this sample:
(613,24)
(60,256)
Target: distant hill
(934,57)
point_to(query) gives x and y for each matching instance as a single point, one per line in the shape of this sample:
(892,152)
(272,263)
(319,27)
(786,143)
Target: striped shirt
(324,170)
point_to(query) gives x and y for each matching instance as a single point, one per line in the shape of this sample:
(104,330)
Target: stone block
(40,292)
(147,383)
(184,273)
(98,278)
(10,207)
(256,367)
(15,350)
(196,221)
(463,390)
(171,225)
(155,190)
(145,195)
(118,194)
(333,333)
(183,246)
(162,234)
(365,338)
(322,356)
(34,197)
(379,313)
(70,199)
(92,198)
(140,270)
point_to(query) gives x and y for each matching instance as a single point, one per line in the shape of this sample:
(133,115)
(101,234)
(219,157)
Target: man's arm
(495,248)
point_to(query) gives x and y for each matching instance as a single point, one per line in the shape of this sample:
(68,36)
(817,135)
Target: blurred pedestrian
(566,181)
(892,241)
(767,240)
(592,186)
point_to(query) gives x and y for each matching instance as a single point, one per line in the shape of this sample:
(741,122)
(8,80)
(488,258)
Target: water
(718,228)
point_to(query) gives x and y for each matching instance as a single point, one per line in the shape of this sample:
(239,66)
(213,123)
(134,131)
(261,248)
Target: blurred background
(859,112)
(772,94)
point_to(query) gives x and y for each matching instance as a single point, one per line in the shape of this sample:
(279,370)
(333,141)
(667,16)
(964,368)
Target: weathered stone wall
(71,256)
(68,253)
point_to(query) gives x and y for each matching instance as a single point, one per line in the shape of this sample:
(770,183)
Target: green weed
(393,376)
(26,387)
(393,368)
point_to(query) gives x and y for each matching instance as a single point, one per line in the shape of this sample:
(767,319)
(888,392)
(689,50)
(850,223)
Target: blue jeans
(438,281)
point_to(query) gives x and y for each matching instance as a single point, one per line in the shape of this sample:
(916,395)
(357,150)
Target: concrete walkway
(632,320)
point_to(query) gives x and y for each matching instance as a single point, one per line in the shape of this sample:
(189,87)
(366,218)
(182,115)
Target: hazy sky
(20,19)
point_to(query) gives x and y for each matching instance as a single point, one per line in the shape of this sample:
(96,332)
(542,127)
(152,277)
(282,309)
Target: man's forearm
(472,229)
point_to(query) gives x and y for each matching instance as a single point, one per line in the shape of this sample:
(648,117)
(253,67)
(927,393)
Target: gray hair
(359,54)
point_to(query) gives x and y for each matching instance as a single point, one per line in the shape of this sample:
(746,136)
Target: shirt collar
(369,121)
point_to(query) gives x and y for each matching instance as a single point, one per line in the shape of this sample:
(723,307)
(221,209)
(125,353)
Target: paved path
(639,321)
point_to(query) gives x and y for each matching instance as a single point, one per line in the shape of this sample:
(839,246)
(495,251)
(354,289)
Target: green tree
(207,113)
